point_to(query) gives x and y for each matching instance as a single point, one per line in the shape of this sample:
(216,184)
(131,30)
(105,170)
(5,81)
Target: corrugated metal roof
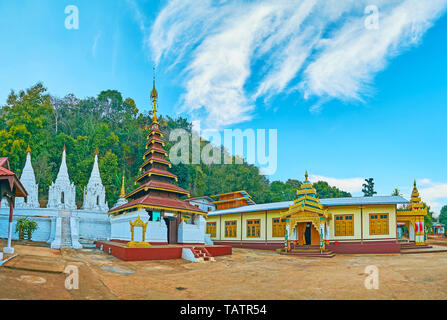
(350,201)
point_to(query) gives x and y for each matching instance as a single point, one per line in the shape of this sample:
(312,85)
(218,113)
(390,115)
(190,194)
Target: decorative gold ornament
(138,223)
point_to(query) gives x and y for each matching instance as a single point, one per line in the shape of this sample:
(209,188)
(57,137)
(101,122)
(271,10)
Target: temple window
(344,225)
(62,197)
(278,227)
(230,229)
(254,228)
(211,229)
(378,224)
(97,200)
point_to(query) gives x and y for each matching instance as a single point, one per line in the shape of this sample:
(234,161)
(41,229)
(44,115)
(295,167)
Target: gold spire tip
(123,190)
(28,150)
(306,176)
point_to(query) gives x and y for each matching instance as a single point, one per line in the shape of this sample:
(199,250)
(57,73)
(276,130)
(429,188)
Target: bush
(25,226)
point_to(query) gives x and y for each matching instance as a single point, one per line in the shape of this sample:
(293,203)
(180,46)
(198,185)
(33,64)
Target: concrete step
(202,254)
(310,253)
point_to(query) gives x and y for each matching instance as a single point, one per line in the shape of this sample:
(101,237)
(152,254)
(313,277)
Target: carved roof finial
(123,190)
(154,97)
(28,150)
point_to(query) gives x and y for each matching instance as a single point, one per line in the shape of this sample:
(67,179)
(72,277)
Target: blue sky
(348,102)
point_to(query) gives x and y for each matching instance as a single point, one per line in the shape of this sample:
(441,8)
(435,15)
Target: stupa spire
(28,179)
(95,192)
(62,193)
(63,170)
(154,97)
(123,190)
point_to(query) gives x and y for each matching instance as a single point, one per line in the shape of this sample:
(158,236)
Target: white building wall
(156,231)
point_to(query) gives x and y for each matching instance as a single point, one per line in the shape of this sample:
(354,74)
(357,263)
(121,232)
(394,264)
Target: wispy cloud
(95,44)
(351,185)
(434,194)
(231,53)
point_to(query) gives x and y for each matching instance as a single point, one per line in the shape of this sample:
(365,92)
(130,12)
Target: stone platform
(156,252)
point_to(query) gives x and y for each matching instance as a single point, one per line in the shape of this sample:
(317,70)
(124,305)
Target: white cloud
(350,185)
(95,44)
(435,195)
(230,53)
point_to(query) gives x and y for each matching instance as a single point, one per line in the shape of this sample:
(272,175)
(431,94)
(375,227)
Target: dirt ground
(37,273)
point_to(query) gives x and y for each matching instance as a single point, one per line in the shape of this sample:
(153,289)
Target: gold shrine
(414,216)
(307,208)
(138,223)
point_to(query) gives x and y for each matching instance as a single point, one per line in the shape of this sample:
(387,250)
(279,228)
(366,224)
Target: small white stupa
(62,193)
(95,193)
(122,199)
(28,179)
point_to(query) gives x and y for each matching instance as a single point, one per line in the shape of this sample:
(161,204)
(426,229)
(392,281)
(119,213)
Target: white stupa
(95,193)
(62,193)
(28,179)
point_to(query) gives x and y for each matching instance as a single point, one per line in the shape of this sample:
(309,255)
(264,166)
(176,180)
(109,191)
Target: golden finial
(415,183)
(154,97)
(65,148)
(306,176)
(96,151)
(123,190)
(28,150)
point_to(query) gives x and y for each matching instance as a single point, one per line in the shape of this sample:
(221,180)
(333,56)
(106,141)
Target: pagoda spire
(156,186)
(123,190)
(154,97)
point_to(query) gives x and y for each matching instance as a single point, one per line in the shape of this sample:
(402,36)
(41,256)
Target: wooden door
(173,231)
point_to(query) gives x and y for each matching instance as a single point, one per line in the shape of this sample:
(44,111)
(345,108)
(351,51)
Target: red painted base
(162,252)
(365,247)
(386,246)
(252,245)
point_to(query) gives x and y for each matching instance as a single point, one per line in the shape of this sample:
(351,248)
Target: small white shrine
(94,192)
(61,224)
(28,179)
(62,193)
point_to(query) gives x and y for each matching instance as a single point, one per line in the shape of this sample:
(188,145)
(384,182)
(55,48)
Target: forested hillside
(117,128)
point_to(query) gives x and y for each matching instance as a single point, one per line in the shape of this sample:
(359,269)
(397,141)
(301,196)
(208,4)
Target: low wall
(251,244)
(92,225)
(155,253)
(390,246)
(156,231)
(191,233)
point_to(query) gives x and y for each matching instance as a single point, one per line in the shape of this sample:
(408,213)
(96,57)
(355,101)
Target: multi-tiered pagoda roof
(156,189)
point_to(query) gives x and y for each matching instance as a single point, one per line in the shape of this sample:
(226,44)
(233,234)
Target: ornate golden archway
(415,215)
(138,223)
(306,208)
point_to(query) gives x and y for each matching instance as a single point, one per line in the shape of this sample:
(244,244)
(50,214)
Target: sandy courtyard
(37,273)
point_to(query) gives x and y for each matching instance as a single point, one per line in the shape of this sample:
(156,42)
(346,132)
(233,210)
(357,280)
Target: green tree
(368,188)
(324,190)
(443,216)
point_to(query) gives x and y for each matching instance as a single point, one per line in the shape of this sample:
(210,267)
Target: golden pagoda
(306,211)
(156,190)
(413,217)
